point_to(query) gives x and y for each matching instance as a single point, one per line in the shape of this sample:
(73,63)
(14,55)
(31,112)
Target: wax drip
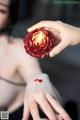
(38,80)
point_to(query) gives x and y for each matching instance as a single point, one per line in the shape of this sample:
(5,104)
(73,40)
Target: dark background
(64,69)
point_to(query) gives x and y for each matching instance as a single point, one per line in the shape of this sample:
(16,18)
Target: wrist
(76,36)
(41,82)
(38,80)
(79,35)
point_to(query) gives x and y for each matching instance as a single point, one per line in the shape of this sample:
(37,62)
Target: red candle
(39,43)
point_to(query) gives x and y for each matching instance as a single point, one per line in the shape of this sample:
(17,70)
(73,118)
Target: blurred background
(64,69)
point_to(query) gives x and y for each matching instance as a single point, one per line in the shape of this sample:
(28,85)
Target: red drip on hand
(38,80)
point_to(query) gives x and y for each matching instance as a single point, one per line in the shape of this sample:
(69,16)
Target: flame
(39,38)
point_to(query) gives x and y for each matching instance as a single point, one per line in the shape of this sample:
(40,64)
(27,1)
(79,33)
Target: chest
(8,62)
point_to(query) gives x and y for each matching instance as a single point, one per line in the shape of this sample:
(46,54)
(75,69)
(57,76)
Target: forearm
(19,100)
(76,36)
(41,82)
(79,35)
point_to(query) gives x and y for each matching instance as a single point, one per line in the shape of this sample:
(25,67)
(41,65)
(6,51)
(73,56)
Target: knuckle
(32,105)
(30,99)
(39,94)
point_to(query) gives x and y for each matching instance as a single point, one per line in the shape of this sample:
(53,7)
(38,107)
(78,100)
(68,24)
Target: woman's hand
(49,105)
(67,34)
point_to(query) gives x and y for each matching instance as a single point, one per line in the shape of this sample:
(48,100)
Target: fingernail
(29,29)
(52,54)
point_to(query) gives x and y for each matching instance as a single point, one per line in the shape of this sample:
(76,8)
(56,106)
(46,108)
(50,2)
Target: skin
(3,14)
(17,66)
(67,34)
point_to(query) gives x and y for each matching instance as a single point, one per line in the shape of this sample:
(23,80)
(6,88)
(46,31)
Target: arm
(16,103)
(68,34)
(39,91)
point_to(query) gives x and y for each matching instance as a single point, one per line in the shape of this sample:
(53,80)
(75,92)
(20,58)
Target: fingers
(58,48)
(25,112)
(56,106)
(59,117)
(55,32)
(25,115)
(53,24)
(47,109)
(34,110)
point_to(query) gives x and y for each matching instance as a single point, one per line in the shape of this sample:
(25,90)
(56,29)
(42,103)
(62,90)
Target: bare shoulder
(24,60)
(18,47)
(17,41)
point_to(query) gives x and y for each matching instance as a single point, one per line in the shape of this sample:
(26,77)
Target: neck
(3,40)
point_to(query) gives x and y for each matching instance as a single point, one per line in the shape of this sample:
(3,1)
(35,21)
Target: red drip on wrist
(38,80)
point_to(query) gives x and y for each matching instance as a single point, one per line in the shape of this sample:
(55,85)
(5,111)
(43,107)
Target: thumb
(56,50)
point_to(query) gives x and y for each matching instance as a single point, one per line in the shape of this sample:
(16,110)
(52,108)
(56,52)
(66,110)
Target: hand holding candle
(39,42)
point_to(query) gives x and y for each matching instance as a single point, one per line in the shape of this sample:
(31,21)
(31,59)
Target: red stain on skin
(38,80)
